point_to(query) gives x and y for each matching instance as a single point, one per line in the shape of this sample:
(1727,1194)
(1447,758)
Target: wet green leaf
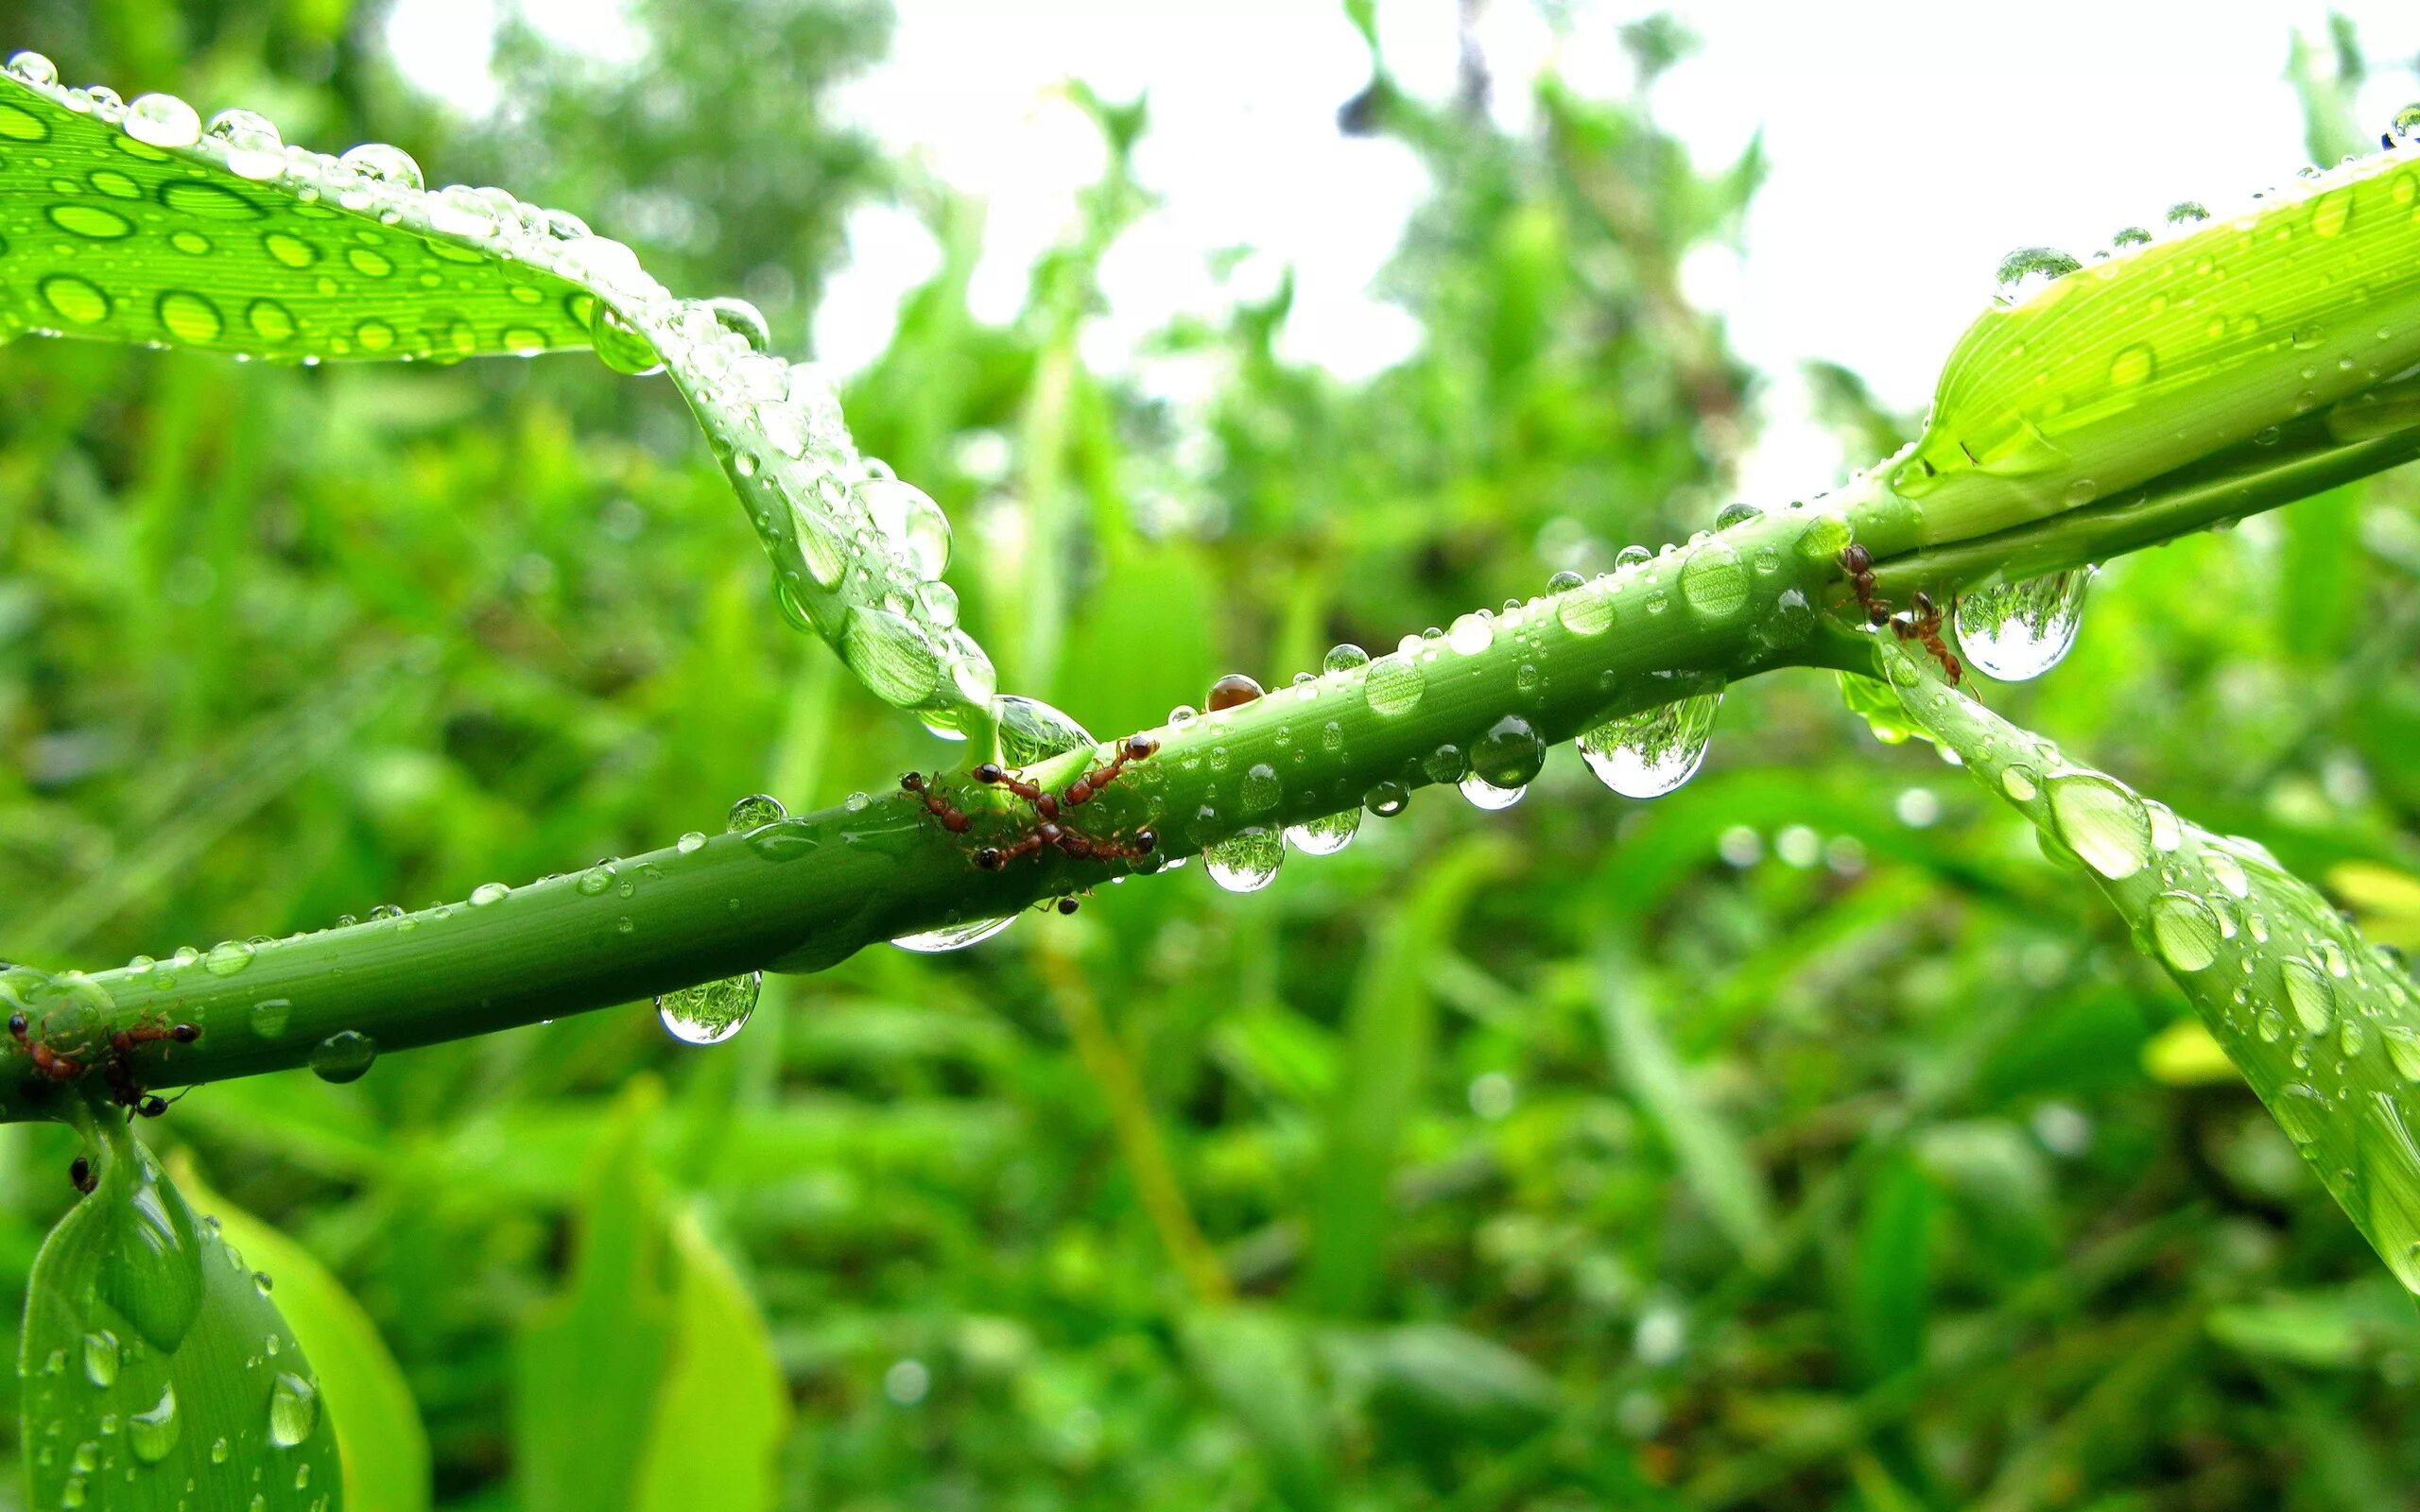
(156,1370)
(380,1441)
(2324,1027)
(132,223)
(722,1408)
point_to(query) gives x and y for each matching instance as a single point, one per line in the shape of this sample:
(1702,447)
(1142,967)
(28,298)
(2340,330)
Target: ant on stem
(1922,624)
(1049,810)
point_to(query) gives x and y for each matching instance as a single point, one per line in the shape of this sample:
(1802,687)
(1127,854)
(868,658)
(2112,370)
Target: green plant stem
(806,892)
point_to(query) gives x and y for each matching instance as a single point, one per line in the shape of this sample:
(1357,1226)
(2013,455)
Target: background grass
(1787,1142)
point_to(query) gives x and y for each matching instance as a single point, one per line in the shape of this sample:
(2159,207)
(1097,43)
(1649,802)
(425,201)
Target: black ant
(80,1172)
(1923,624)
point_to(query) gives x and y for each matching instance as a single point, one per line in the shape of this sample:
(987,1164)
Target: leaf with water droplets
(2326,1029)
(132,223)
(2092,378)
(151,1361)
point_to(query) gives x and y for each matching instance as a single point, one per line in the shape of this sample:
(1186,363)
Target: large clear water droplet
(386,164)
(1246,862)
(712,1012)
(2185,930)
(1031,731)
(102,1355)
(912,520)
(254,148)
(754,812)
(162,120)
(1650,753)
(2311,994)
(1395,684)
(2028,270)
(2102,823)
(293,1410)
(954,936)
(2407,123)
(33,68)
(2014,631)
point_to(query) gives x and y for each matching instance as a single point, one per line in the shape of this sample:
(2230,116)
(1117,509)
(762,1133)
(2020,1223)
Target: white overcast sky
(1911,144)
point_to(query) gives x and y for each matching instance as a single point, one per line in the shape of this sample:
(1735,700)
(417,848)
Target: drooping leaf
(1258,1364)
(134,223)
(156,1371)
(380,1441)
(2324,1026)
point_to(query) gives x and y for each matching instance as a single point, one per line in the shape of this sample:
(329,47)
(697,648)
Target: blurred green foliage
(1784,1142)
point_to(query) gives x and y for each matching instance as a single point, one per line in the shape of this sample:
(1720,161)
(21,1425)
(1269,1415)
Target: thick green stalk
(806,892)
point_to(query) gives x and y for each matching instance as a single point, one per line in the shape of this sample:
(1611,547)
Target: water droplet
(228,957)
(910,520)
(2102,823)
(2015,632)
(954,936)
(1345,658)
(386,164)
(1650,753)
(255,149)
(1472,634)
(33,67)
(596,881)
(2185,930)
(619,345)
(489,893)
(293,1410)
(1486,794)
(164,121)
(1326,835)
(754,812)
(2311,995)
(344,1056)
(1246,862)
(152,1433)
(2186,212)
(1395,684)
(1261,788)
(219,1451)
(2028,270)
(75,298)
(745,319)
(1714,581)
(2403,1048)
(190,316)
(690,844)
(1737,512)
(1507,759)
(270,1015)
(2017,783)
(1232,691)
(101,1357)
(712,1012)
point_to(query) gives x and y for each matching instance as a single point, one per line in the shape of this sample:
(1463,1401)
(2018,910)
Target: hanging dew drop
(1652,752)
(2017,631)
(620,346)
(1326,835)
(1483,794)
(1247,861)
(954,936)
(713,1012)
(344,1056)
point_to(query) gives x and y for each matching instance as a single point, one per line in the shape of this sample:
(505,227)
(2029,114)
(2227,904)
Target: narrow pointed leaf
(2324,1026)
(135,223)
(155,1370)
(723,1407)
(379,1438)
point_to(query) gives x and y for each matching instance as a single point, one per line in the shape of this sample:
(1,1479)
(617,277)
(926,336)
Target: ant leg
(1133,748)
(993,774)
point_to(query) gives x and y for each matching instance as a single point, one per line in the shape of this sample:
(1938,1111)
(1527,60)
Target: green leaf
(1890,1301)
(155,1368)
(2324,1027)
(651,1382)
(586,1366)
(132,223)
(1390,1021)
(380,1441)
(2130,367)
(1255,1361)
(1445,1378)
(723,1408)
(1713,1160)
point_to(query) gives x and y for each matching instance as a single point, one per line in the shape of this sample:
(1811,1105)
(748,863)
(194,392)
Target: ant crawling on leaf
(1923,624)
(116,1062)
(1048,808)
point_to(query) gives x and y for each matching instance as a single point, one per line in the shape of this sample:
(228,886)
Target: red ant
(47,1063)
(115,1065)
(1923,624)
(1047,808)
